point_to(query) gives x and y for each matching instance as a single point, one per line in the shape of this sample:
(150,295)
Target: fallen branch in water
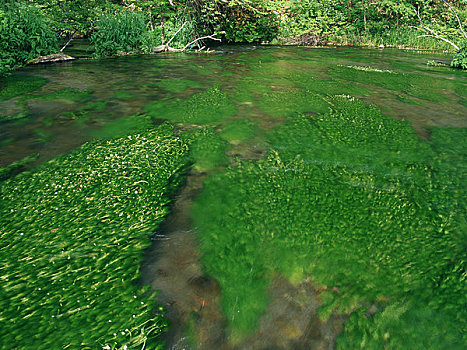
(167,48)
(203,37)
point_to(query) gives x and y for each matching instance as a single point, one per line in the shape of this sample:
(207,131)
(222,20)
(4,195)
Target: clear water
(127,84)
(242,92)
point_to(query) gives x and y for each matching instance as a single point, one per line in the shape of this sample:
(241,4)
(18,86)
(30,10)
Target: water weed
(353,200)
(207,149)
(210,106)
(123,126)
(73,232)
(179,85)
(19,85)
(238,130)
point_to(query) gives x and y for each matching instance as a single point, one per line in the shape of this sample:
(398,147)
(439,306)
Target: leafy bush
(317,17)
(24,35)
(460,59)
(119,32)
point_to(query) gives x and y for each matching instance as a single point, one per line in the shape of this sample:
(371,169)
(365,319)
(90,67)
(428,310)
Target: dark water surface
(242,92)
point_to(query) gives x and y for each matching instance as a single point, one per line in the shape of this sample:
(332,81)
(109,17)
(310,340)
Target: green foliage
(210,106)
(121,32)
(24,35)
(353,200)
(460,59)
(70,16)
(318,17)
(239,21)
(73,247)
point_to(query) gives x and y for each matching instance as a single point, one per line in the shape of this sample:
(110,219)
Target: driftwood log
(56,57)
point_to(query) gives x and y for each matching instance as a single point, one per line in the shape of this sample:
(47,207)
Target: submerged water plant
(17,85)
(352,200)
(210,106)
(72,236)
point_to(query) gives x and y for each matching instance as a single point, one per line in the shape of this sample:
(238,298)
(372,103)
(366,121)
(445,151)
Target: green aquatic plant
(238,130)
(123,126)
(415,84)
(408,100)
(68,94)
(41,135)
(178,85)
(210,106)
(124,94)
(207,149)
(17,166)
(73,234)
(15,117)
(287,102)
(19,85)
(381,229)
(354,135)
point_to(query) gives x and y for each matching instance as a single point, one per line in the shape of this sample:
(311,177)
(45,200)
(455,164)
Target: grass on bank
(354,200)
(72,236)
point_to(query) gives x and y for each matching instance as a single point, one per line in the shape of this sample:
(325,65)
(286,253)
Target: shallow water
(262,84)
(242,92)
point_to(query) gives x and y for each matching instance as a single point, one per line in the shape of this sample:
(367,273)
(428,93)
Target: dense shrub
(24,35)
(460,59)
(316,17)
(119,32)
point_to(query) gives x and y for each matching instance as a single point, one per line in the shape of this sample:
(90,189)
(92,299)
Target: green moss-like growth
(408,100)
(19,85)
(15,117)
(417,84)
(383,230)
(238,130)
(124,126)
(16,167)
(284,103)
(124,94)
(353,135)
(327,87)
(207,149)
(178,85)
(73,234)
(210,106)
(69,95)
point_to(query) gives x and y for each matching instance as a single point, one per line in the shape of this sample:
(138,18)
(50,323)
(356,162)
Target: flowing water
(243,92)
